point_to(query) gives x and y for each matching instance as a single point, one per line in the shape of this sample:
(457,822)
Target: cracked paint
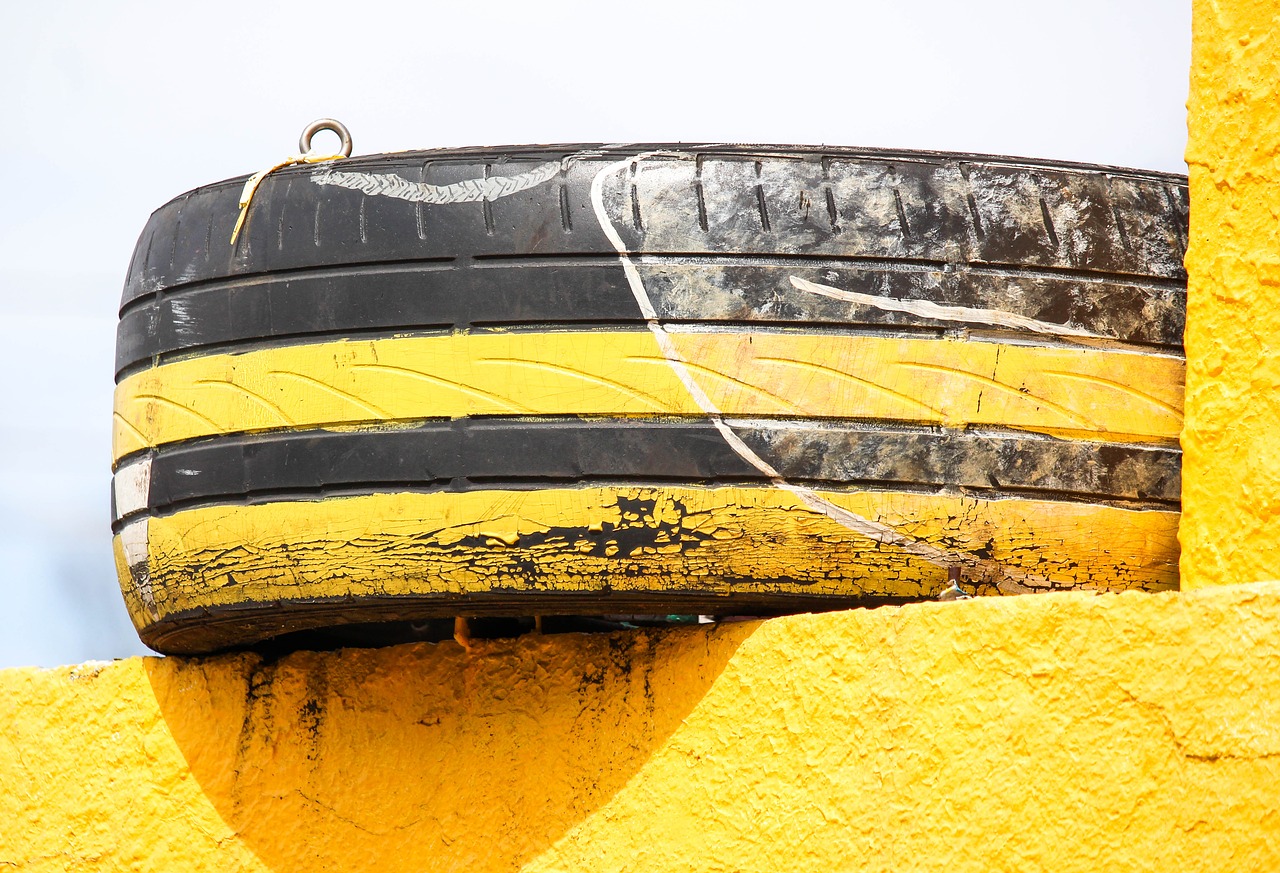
(666,544)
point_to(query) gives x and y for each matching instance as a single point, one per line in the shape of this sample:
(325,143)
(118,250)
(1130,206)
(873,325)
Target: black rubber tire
(796,251)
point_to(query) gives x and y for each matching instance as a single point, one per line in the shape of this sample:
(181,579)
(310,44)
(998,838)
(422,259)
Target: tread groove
(208,236)
(635,209)
(1048,223)
(419,216)
(280,224)
(972,202)
(761,205)
(566,217)
(1119,220)
(902,215)
(486,205)
(904,227)
(1174,207)
(177,230)
(833,215)
(700,194)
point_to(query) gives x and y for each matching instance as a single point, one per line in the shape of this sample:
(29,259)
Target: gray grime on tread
(729,190)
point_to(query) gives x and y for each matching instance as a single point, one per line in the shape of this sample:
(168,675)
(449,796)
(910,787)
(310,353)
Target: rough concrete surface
(1231,481)
(1056,732)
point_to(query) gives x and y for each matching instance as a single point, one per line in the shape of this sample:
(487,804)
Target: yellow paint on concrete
(683,539)
(1066,732)
(1073,392)
(1231,443)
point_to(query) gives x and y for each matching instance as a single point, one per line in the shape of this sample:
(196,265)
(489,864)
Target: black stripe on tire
(459,296)
(500,453)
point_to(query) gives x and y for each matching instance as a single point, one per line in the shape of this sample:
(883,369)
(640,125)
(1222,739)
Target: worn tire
(644,380)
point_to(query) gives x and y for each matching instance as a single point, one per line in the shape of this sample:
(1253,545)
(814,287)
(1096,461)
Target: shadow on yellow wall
(425,754)
(1067,732)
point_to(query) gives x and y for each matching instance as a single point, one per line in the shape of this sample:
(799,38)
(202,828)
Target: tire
(683,379)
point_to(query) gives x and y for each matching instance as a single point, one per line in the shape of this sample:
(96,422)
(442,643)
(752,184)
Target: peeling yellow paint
(1067,732)
(1231,443)
(1072,392)
(730,539)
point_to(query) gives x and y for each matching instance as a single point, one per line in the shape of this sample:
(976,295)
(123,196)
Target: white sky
(109,109)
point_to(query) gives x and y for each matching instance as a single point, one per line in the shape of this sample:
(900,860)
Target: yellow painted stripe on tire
(1073,392)
(697,538)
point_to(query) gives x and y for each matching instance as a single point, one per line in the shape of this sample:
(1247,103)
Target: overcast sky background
(109,109)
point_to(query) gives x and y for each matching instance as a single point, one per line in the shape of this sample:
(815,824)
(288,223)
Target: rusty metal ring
(304,141)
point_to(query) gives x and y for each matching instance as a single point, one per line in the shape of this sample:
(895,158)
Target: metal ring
(304,141)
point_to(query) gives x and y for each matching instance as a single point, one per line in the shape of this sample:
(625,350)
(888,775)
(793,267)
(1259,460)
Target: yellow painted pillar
(1231,468)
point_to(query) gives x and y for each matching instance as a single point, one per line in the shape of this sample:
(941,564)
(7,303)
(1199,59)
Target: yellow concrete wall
(1231,439)
(1057,733)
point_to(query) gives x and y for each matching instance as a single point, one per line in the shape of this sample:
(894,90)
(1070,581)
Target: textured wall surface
(1231,440)
(1058,732)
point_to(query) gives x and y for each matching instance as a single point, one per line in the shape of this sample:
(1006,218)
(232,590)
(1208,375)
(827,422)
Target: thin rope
(251,186)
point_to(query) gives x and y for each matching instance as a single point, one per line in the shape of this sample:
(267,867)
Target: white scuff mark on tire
(132,487)
(133,540)
(873,530)
(468,191)
(180,317)
(938,312)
